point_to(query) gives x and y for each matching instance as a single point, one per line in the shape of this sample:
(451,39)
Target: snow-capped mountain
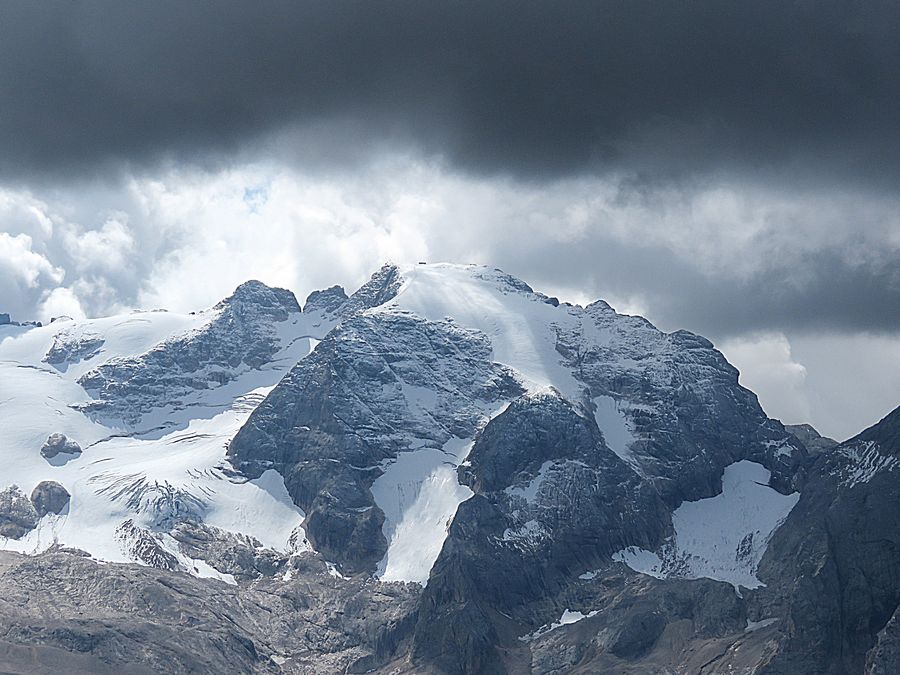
(561,488)
(149,401)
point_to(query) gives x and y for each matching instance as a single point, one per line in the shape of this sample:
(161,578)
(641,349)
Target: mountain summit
(475,476)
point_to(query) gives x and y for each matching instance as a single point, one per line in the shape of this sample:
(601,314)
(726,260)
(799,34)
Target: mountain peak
(886,432)
(327,300)
(278,302)
(808,435)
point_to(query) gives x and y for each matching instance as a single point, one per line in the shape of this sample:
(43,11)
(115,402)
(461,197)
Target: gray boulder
(58,444)
(49,497)
(17,514)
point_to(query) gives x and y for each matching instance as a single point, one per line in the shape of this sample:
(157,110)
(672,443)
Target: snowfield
(723,537)
(169,465)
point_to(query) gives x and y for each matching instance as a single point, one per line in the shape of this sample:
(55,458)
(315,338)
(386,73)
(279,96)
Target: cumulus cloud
(769,369)
(63,251)
(59,302)
(761,286)
(719,257)
(24,274)
(107,248)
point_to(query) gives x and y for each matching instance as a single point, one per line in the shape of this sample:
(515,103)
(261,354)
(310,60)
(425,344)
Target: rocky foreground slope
(445,471)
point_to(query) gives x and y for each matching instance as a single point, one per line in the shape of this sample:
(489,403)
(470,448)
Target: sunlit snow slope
(723,537)
(175,390)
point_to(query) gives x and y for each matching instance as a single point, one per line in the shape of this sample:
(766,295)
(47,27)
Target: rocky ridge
(243,334)
(499,451)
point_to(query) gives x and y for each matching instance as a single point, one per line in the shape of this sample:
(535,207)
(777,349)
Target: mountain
(145,404)
(445,471)
(812,440)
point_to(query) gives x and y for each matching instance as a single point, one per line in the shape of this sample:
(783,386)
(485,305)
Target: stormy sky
(730,168)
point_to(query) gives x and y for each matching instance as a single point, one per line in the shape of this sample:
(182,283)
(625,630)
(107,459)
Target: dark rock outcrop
(507,546)
(49,496)
(607,428)
(812,440)
(326,301)
(17,514)
(832,568)
(310,428)
(239,555)
(242,335)
(69,347)
(58,444)
(553,497)
(383,286)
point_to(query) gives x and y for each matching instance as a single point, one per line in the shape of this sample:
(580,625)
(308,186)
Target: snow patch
(618,431)
(419,493)
(864,462)
(529,534)
(333,572)
(756,625)
(530,491)
(568,617)
(175,460)
(722,537)
(519,323)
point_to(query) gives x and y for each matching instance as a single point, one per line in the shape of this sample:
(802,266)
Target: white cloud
(107,248)
(22,265)
(769,369)
(853,380)
(24,274)
(61,302)
(184,239)
(839,383)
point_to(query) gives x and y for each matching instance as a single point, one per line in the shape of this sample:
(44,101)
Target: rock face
(58,444)
(69,348)
(172,390)
(327,301)
(17,514)
(831,570)
(243,335)
(49,497)
(812,440)
(884,657)
(577,432)
(66,613)
(308,428)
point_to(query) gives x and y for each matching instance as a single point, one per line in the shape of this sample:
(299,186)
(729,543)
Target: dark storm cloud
(535,90)
(822,293)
